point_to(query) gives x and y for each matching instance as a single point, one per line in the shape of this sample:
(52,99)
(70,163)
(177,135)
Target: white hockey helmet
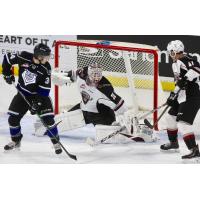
(95,72)
(175,47)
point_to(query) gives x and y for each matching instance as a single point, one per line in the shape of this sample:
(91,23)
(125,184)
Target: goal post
(126,65)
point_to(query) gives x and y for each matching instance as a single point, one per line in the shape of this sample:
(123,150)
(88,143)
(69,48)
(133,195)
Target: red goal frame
(77,43)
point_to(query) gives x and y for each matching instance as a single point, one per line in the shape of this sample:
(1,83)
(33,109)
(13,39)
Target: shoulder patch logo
(85,97)
(28,77)
(82,86)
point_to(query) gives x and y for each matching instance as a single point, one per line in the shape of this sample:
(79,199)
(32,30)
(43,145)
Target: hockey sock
(189,140)
(15,133)
(172,135)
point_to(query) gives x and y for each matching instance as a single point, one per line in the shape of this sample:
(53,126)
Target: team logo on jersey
(82,86)
(33,66)
(28,77)
(85,97)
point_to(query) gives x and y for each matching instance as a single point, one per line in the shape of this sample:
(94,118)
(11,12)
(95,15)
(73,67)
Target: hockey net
(131,68)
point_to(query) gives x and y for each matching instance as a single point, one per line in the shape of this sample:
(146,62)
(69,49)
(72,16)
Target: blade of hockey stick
(147,123)
(69,154)
(131,137)
(91,142)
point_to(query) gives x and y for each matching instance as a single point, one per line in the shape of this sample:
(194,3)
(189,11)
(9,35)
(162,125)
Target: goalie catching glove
(61,78)
(128,120)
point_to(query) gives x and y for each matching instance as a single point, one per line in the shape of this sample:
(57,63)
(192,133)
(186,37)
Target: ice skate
(56,145)
(193,156)
(57,148)
(170,147)
(15,144)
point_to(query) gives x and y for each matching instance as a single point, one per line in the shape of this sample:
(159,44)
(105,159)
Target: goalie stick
(131,137)
(46,126)
(91,142)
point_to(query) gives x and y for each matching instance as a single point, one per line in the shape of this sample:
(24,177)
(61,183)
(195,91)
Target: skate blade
(191,161)
(12,150)
(170,151)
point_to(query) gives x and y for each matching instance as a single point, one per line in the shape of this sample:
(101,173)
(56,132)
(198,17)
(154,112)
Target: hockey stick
(91,142)
(147,123)
(151,112)
(131,137)
(46,126)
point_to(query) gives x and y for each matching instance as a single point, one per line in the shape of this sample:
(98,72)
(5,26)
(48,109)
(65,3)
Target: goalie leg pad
(68,121)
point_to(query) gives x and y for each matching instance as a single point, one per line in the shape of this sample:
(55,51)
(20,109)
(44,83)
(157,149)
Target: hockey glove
(172,99)
(9,79)
(182,83)
(35,107)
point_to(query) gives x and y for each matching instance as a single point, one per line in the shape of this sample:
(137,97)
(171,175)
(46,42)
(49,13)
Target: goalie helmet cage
(146,75)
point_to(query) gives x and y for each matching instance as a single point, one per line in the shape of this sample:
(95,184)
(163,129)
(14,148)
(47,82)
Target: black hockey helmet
(41,50)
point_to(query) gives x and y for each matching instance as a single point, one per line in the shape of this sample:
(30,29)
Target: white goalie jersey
(103,93)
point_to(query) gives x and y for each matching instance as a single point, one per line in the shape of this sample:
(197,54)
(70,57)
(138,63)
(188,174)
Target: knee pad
(185,128)
(14,120)
(171,122)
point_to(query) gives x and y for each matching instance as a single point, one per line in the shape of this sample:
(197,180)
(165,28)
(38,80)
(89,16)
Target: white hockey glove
(60,78)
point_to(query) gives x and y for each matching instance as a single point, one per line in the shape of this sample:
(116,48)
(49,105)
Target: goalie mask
(95,73)
(175,47)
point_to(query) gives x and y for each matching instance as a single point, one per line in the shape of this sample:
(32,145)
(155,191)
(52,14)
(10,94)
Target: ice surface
(38,150)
